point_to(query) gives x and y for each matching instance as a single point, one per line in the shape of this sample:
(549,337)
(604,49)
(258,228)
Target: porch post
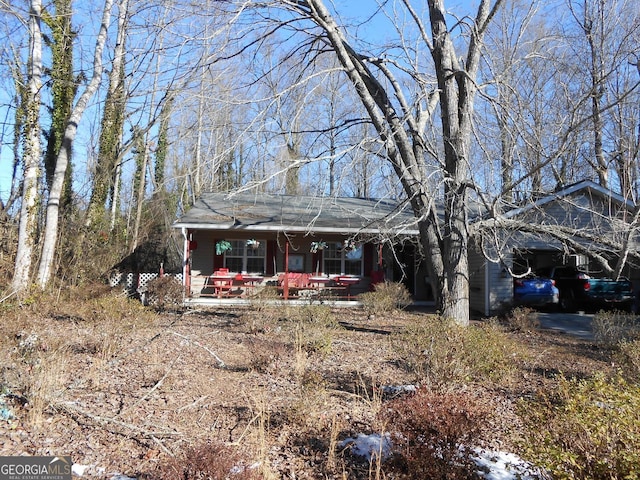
(186,270)
(285,291)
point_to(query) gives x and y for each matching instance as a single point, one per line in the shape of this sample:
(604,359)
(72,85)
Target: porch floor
(237,301)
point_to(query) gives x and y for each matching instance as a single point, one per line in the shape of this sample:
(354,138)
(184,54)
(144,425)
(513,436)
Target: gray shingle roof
(268,212)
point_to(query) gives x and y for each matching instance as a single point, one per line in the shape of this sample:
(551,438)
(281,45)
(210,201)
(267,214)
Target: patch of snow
(492,465)
(368,446)
(398,389)
(504,466)
(5,413)
(239,469)
(78,469)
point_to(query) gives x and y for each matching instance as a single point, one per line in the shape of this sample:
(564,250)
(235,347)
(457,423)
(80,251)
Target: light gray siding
(500,286)
(490,284)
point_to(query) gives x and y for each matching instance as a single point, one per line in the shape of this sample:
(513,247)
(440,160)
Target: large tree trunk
(139,186)
(63,89)
(32,151)
(445,245)
(454,103)
(53,205)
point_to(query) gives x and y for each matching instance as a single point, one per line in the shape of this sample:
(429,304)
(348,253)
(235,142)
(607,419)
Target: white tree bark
(53,206)
(32,152)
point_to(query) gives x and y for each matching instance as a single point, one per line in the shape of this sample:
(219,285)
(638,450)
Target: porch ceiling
(267,212)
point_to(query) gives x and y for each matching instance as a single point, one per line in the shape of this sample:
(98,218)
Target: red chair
(221,281)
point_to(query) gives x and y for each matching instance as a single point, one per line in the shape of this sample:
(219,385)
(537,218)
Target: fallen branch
(154,388)
(192,404)
(9,296)
(161,445)
(108,423)
(221,364)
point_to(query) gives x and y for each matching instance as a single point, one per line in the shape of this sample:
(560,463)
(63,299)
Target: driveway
(577,324)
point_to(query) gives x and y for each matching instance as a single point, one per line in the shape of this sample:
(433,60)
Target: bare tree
(592,22)
(113,114)
(514,98)
(625,130)
(610,33)
(31,154)
(400,124)
(534,90)
(53,205)
(63,88)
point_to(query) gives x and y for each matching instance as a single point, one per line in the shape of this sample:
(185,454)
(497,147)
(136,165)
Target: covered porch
(290,268)
(241,247)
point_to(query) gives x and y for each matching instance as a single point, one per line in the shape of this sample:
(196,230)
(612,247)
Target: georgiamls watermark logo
(35,468)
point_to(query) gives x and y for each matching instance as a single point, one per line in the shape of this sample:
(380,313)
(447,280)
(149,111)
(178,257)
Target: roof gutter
(290,229)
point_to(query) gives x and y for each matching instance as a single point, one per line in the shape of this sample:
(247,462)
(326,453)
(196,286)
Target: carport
(586,207)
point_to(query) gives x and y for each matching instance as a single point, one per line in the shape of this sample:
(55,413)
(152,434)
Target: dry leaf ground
(122,388)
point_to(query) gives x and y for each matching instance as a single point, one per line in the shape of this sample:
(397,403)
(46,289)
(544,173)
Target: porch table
(220,283)
(346,282)
(250,282)
(319,281)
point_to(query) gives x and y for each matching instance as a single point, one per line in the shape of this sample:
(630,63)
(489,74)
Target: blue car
(534,291)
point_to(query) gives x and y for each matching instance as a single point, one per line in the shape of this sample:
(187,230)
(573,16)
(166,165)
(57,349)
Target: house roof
(585,185)
(268,212)
(252,211)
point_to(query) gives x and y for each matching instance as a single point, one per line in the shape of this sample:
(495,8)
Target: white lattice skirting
(136,282)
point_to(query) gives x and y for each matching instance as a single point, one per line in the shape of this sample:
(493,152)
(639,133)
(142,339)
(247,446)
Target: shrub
(264,311)
(313,314)
(522,319)
(266,356)
(313,339)
(386,297)
(611,327)
(441,352)
(430,430)
(164,292)
(591,429)
(314,327)
(628,357)
(211,461)
(264,297)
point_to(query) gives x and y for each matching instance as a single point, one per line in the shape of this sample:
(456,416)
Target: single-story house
(236,243)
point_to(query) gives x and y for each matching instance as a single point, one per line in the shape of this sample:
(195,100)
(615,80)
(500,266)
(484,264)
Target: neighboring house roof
(269,212)
(585,185)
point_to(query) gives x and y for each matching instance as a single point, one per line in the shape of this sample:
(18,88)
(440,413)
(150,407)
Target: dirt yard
(123,389)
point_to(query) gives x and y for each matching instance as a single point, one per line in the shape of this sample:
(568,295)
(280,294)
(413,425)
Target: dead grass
(120,388)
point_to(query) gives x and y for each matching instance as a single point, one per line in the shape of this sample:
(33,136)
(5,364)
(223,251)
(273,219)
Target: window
(246,258)
(338,260)
(353,261)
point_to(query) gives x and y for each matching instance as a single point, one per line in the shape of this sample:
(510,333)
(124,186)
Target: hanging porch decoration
(349,245)
(315,246)
(222,246)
